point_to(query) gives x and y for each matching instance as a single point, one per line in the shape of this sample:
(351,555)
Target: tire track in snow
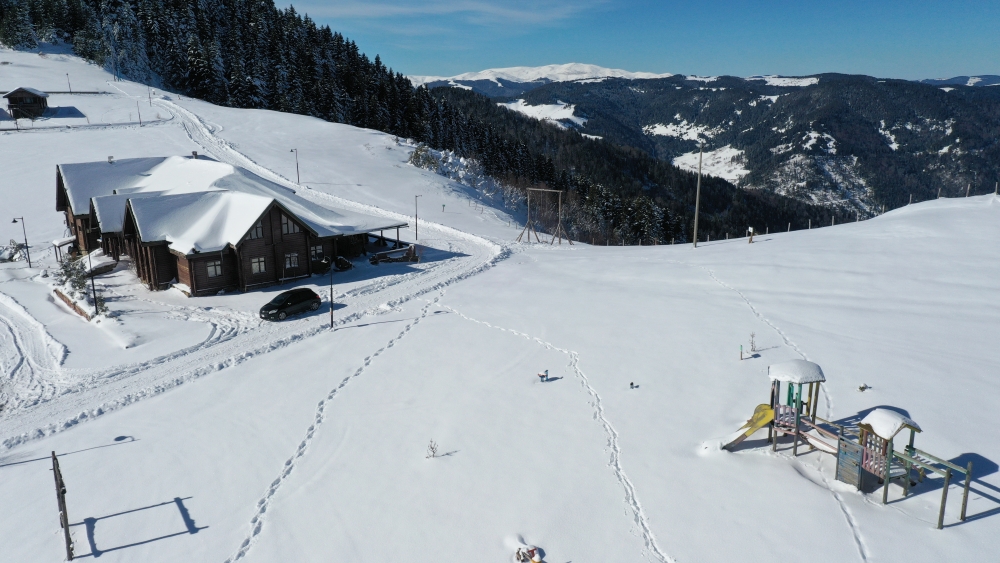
(848,515)
(31,357)
(631,498)
(257,522)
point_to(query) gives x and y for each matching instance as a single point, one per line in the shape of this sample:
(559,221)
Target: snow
(189,430)
(724,162)
(682,130)
(886,423)
(812,137)
(38,93)
(796,371)
(553,73)
(973,80)
(774,80)
(198,222)
(701,78)
(946,89)
(889,135)
(556,113)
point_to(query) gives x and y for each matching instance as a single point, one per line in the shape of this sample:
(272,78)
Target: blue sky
(895,39)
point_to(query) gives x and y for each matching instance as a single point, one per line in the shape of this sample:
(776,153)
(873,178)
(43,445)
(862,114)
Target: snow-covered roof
(796,371)
(110,209)
(31,91)
(200,221)
(178,175)
(886,423)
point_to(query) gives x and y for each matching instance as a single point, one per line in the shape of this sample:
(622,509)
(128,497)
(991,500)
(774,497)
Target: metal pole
(331,293)
(298,180)
(138,112)
(967,188)
(92,288)
(68,84)
(416,235)
(697,196)
(23,231)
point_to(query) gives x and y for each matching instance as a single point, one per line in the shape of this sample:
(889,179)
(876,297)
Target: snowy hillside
(548,73)
(190,430)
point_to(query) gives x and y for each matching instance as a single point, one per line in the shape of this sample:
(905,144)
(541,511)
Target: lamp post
(26,249)
(416,235)
(331,294)
(298,180)
(697,197)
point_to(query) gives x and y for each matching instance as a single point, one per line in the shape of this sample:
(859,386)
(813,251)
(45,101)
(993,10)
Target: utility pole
(298,180)
(416,235)
(23,231)
(697,195)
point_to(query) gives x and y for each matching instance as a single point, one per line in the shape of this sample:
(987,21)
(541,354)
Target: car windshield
(278,300)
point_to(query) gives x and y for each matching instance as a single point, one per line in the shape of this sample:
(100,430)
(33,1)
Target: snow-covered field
(724,162)
(556,114)
(552,73)
(188,430)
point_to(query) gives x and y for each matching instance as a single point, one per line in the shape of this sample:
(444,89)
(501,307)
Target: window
(288,226)
(256,232)
(292,260)
(316,252)
(257,266)
(214,268)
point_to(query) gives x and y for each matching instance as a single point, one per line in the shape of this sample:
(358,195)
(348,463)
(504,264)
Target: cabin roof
(110,209)
(796,371)
(886,423)
(26,90)
(177,175)
(197,222)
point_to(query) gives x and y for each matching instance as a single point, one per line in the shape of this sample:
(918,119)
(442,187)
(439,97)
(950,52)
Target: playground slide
(762,416)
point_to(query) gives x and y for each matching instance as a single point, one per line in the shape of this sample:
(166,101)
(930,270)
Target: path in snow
(257,522)
(94,393)
(29,358)
(631,498)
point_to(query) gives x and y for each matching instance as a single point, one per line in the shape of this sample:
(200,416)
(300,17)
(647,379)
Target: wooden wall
(272,247)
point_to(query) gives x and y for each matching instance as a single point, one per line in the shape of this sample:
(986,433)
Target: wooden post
(939,193)
(967,188)
(944,497)
(61,499)
(810,224)
(789,228)
(911,200)
(888,472)
(965,493)
(775,399)
(798,408)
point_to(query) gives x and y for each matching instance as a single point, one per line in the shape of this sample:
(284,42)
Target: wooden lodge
(228,230)
(26,103)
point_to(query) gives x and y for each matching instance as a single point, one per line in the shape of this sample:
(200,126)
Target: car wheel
(282,316)
(314,306)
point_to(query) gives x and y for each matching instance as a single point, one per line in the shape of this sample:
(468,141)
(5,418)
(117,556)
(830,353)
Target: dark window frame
(291,260)
(256,232)
(258,265)
(316,252)
(214,268)
(288,226)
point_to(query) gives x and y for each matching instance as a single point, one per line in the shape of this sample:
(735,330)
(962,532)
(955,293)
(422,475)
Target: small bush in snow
(432,450)
(422,157)
(753,341)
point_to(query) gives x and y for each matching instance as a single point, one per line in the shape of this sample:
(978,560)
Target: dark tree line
(250,54)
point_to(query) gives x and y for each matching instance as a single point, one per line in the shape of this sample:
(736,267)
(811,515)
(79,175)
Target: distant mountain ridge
(514,81)
(981,80)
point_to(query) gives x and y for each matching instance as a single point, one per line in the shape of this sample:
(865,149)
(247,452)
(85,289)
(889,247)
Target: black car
(289,303)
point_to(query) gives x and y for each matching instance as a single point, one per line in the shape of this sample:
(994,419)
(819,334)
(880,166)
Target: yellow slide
(762,416)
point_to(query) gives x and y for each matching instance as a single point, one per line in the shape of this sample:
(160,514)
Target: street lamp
(26,249)
(298,180)
(416,235)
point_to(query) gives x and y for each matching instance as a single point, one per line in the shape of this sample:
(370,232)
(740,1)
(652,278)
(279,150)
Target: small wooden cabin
(26,102)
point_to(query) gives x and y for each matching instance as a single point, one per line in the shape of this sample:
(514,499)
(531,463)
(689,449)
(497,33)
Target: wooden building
(204,224)
(26,103)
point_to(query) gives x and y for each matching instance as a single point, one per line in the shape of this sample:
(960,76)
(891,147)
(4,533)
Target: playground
(866,452)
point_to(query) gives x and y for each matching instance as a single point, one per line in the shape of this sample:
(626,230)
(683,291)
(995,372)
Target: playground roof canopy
(796,371)
(886,423)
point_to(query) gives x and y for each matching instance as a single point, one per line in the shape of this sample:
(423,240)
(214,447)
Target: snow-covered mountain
(513,81)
